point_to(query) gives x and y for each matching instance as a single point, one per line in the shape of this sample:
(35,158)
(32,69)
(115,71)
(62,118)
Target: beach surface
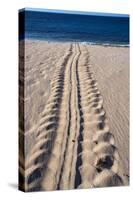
(76,116)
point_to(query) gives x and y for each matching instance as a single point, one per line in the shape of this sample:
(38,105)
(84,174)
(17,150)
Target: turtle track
(74,147)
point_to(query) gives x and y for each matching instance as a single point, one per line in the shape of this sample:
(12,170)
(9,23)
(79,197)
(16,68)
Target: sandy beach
(76,116)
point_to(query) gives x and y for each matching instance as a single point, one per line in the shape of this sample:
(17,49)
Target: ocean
(105,30)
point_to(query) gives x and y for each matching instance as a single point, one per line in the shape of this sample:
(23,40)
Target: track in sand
(74,147)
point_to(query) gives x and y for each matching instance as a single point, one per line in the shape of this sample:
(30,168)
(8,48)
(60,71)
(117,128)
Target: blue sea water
(106,30)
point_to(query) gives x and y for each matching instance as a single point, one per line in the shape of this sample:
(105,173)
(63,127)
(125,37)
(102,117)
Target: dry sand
(111,68)
(76,116)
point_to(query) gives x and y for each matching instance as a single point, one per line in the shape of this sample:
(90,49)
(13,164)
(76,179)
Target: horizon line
(74,12)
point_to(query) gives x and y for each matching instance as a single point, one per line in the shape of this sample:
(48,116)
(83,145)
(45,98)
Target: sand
(76,116)
(111,68)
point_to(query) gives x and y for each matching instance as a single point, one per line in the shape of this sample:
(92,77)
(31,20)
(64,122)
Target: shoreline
(79,42)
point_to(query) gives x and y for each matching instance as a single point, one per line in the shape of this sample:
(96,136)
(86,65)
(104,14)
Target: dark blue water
(74,27)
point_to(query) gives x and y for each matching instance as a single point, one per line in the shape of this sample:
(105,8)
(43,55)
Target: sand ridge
(74,147)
